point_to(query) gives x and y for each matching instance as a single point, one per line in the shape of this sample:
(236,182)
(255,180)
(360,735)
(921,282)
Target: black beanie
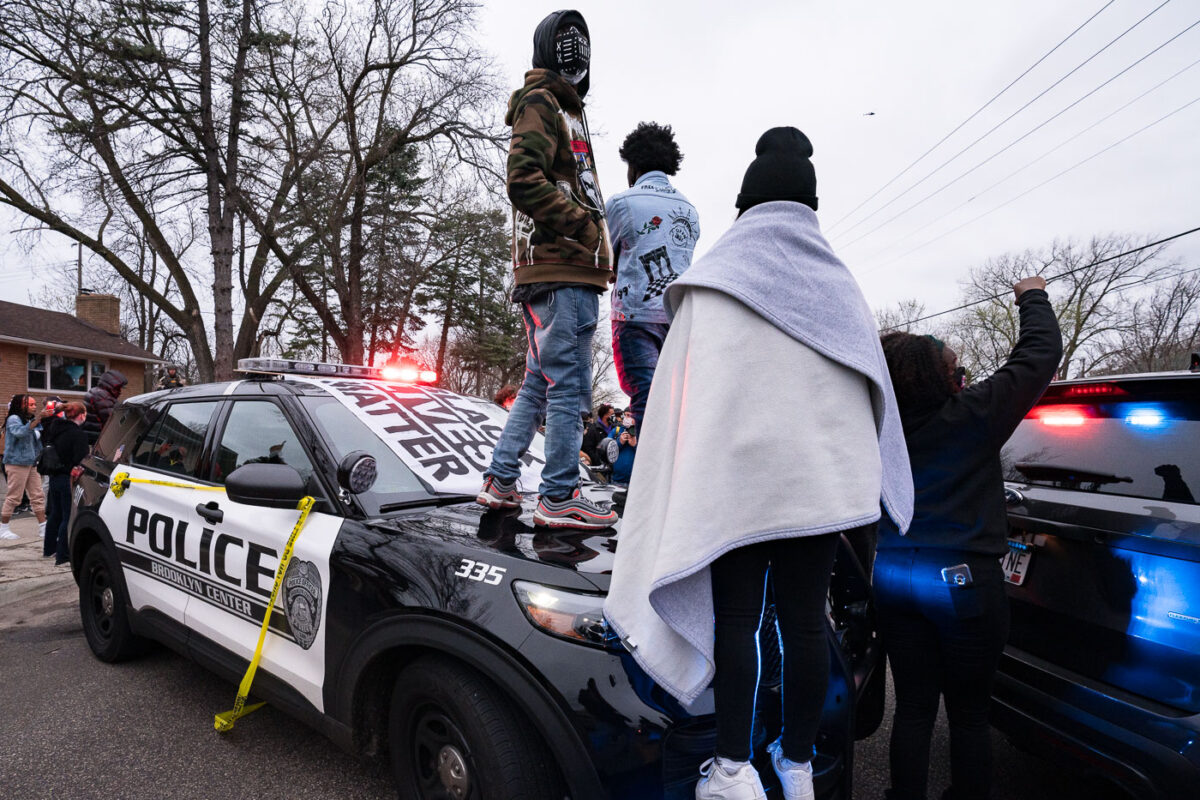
(781,170)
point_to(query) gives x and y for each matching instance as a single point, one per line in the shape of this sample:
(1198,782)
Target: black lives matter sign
(441,435)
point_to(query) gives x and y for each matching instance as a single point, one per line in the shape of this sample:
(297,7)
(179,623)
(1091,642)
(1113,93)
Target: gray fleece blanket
(771,415)
(776,261)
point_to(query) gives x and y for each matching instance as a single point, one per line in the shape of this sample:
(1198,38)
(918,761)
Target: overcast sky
(721,73)
(875,85)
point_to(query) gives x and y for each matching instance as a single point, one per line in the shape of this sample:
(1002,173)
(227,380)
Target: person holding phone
(939,590)
(22,445)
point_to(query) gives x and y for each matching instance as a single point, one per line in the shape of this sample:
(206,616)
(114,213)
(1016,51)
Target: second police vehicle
(465,646)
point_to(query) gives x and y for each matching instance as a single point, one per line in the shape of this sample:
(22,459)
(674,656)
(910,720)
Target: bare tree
(900,317)
(604,387)
(1161,330)
(1088,288)
(138,109)
(385,77)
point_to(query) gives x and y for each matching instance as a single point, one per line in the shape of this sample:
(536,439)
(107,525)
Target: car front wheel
(104,609)
(454,736)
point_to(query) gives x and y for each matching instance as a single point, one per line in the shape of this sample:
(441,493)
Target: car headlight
(575,616)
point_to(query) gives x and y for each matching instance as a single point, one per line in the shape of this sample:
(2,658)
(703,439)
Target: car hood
(512,532)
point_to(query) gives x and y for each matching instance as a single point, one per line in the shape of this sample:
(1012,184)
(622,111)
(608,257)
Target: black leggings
(799,569)
(941,640)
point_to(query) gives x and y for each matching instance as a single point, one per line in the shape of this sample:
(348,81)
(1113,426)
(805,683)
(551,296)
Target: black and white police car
(465,645)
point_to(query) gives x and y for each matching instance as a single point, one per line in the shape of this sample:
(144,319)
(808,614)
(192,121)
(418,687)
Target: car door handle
(210,511)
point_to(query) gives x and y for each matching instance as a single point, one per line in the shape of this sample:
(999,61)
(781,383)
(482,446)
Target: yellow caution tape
(121,481)
(224,721)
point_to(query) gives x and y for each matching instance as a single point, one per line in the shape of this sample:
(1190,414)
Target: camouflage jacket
(559,232)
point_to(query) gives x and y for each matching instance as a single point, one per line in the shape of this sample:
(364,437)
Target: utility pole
(79,269)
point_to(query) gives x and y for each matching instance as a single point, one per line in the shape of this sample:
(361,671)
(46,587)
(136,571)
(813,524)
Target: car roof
(205,391)
(1131,376)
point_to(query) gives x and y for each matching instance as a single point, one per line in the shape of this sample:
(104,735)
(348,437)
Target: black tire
(105,609)
(453,735)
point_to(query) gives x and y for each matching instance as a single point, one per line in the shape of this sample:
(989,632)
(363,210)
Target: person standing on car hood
(942,608)
(655,230)
(716,509)
(562,258)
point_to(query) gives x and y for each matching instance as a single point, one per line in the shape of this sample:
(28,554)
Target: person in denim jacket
(22,446)
(654,230)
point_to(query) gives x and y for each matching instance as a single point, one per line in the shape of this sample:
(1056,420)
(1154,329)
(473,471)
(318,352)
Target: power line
(1063,275)
(1018,140)
(1054,177)
(995,127)
(976,113)
(1049,152)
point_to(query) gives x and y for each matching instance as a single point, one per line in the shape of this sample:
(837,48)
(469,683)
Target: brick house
(48,352)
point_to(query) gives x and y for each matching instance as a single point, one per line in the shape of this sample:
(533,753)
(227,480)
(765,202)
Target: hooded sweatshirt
(100,401)
(559,232)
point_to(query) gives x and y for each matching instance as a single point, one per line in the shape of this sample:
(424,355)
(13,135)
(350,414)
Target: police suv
(464,645)
(1103,660)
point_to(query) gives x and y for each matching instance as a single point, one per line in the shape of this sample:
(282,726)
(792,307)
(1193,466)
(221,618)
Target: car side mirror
(269,485)
(357,472)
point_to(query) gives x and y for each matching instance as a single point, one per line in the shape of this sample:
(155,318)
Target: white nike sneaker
(794,776)
(722,779)
(6,532)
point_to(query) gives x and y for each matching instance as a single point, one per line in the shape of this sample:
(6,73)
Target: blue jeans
(58,514)
(558,383)
(636,346)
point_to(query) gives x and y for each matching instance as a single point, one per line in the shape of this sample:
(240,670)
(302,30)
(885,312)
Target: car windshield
(1137,444)
(395,485)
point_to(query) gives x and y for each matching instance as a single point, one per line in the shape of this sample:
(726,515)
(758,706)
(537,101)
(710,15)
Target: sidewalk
(24,572)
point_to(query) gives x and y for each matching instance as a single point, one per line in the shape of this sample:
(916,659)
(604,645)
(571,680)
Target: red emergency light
(1064,416)
(1094,390)
(407,372)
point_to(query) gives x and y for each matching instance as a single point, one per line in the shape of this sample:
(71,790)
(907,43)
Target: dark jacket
(595,434)
(69,441)
(100,401)
(955,450)
(559,232)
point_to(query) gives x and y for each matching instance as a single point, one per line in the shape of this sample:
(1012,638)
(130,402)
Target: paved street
(73,727)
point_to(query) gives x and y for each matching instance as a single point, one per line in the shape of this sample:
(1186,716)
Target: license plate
(1016,561)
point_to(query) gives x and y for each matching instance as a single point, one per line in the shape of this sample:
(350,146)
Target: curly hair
(920,376)
(651,147)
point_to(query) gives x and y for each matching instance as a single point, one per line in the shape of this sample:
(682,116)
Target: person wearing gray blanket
(769,313)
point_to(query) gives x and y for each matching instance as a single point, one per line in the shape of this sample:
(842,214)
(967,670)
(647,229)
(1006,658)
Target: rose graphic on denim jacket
(652,225)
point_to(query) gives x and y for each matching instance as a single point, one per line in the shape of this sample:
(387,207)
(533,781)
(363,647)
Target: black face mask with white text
(572,53)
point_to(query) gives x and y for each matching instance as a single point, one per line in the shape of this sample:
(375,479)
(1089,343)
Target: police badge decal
(302,601)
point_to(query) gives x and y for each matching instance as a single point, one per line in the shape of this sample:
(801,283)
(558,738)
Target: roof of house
(38,327)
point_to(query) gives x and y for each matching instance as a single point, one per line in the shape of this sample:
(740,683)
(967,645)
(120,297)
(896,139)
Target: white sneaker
(6,532)
(722,779)
(794,776)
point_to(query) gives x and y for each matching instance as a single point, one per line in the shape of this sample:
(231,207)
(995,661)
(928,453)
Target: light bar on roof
(288,366)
